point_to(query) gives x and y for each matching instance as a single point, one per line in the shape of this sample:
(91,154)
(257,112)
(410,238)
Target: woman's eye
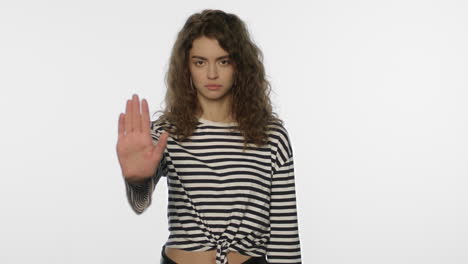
(199,63)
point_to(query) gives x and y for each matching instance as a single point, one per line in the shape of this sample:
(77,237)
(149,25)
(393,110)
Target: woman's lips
(213,87)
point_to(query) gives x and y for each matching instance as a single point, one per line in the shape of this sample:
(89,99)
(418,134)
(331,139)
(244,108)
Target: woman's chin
(213,95)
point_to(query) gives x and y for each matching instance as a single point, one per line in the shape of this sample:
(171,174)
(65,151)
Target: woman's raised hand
(137,155)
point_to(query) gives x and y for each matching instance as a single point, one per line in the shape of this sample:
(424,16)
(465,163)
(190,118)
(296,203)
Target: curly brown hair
(251,104)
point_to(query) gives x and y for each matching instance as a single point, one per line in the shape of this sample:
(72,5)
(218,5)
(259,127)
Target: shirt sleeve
(139,195)
(284,243)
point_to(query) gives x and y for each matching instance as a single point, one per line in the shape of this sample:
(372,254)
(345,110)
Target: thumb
(159,148)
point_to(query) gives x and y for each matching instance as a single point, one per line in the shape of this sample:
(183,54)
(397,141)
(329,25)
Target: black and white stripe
(225,199)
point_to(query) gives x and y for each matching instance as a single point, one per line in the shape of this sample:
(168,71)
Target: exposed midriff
(202,257)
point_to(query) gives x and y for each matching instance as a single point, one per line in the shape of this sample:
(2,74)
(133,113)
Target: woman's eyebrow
(203,58)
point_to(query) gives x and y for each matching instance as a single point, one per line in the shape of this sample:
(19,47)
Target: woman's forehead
(208,48)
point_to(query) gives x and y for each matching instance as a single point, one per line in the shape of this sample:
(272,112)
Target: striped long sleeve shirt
(221,197)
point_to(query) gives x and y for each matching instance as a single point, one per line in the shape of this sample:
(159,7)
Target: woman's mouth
(213,86)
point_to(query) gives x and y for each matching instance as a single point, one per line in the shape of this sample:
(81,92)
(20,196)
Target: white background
(373,93)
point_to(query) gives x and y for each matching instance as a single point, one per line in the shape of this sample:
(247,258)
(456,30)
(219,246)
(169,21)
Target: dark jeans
(253,260)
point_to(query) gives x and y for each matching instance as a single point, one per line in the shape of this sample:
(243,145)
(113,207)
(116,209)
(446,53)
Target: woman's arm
(139,193)
(284,244)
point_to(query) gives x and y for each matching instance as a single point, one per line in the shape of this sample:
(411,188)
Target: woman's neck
(216,110)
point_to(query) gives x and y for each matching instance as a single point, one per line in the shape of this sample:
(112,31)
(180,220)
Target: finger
(145,119)
(136,116)
(121,125)
(128,118)
(163,139)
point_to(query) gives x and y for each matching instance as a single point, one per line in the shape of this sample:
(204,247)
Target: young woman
(225,154)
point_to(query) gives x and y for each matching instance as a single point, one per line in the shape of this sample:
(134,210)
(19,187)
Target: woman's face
(210,64)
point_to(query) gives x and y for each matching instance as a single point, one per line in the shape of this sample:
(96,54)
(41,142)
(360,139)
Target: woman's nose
(212,72)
